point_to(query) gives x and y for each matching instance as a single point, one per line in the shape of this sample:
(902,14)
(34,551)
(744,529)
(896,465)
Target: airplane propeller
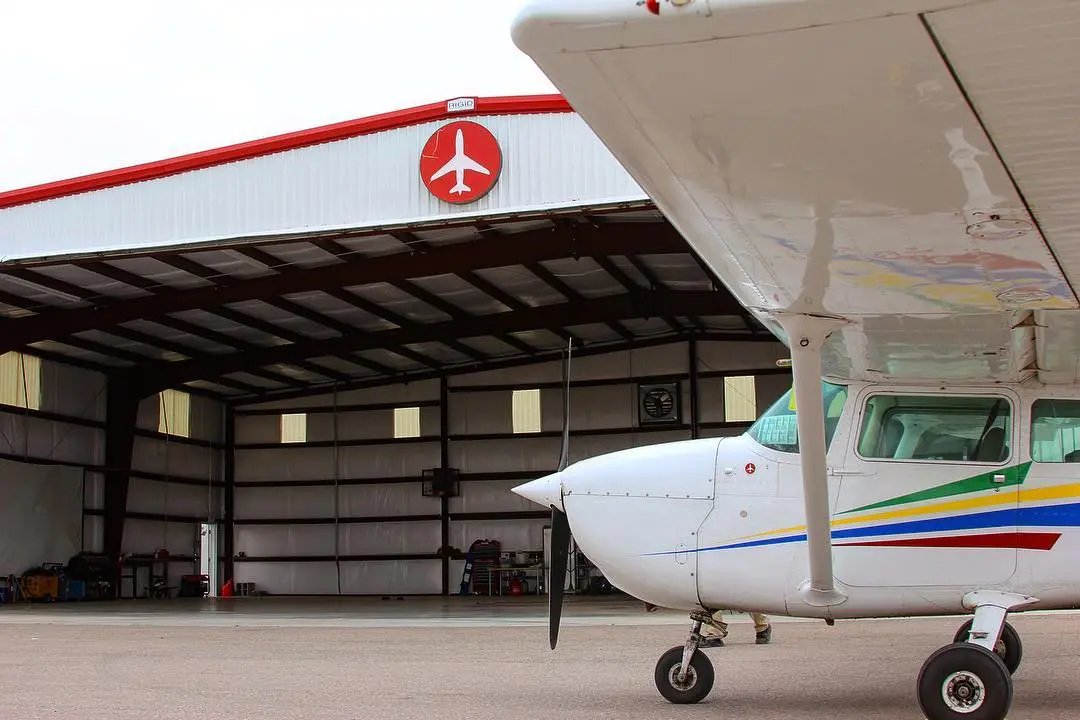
(560,526)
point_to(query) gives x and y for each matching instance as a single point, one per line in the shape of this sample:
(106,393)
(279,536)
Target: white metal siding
(473,412)
(81,394)
(550,161)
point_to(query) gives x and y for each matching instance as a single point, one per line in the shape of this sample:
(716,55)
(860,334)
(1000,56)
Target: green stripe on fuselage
(1013,476)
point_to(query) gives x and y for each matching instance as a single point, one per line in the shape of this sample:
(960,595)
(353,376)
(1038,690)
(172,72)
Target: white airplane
(458,165)
(893,188)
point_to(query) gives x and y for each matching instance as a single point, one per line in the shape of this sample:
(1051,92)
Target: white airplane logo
(458,165)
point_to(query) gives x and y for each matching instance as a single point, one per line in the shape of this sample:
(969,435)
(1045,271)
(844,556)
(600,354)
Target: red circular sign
(750,468)
(460,162)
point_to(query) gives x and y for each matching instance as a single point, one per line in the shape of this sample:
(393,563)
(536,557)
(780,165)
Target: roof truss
(284,326)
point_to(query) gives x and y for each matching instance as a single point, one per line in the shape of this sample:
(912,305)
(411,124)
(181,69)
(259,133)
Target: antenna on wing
(560,526)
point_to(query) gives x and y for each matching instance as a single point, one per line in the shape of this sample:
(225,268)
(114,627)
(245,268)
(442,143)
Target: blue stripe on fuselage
(1045,516)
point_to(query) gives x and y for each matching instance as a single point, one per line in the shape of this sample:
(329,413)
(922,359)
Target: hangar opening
(316,364)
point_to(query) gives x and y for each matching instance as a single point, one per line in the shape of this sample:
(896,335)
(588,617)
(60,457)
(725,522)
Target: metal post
(229,472)
(695,411)
(444,462)
(82,518)
(337,494)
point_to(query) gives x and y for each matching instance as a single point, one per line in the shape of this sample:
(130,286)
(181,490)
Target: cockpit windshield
(777,429)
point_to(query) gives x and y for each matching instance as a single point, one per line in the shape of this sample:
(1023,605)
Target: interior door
(929,489)
(208,554)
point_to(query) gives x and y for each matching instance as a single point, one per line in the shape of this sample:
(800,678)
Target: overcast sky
(90,86)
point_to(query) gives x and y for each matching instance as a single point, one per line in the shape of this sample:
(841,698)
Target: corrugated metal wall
(549,161)
(288,508)
(170,477)
(177,480)
(66,429)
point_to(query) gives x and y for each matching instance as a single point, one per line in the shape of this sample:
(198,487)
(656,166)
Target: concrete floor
(471,658)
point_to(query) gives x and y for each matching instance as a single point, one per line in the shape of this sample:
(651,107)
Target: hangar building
(336,350)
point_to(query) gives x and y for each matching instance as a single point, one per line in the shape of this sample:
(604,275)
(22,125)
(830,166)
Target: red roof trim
(510,105)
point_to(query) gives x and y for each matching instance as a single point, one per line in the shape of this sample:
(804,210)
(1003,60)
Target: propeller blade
(560,550)
(564,458)
(560,526)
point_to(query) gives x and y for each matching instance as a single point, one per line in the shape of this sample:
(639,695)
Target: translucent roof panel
(460,294)
(399,303)
(522,284)
(584,276)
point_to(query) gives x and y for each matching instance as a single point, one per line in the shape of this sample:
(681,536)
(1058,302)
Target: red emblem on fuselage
(460,162)
(750,468)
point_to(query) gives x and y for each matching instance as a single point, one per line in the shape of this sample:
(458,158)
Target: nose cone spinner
(546,491)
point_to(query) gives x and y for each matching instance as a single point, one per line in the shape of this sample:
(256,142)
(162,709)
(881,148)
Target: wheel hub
(963,692)
(688,683)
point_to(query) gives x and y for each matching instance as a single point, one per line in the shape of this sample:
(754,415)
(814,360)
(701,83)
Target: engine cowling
(636,513)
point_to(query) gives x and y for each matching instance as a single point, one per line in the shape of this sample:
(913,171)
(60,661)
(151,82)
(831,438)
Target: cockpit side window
(777,428)
(1055,431)
(936,427)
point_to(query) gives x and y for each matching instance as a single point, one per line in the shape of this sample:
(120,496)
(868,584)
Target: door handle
(997,478)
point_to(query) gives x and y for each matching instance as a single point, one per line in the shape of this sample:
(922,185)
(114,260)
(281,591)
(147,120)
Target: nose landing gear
(684,674)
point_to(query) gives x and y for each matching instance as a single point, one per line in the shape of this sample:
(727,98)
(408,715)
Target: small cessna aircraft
(893,188)
(458,165)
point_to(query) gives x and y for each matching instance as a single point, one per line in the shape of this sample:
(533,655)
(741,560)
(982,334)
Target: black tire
(699,677)
(1008,647)
(964,673)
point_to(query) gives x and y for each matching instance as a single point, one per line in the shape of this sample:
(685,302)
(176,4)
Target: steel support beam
(604,309)
(549,355)
(489,252)
(121,413)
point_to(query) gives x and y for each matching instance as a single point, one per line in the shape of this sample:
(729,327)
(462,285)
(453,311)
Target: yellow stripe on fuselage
(1057,492)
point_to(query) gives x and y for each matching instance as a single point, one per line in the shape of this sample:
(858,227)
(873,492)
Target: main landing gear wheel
(1008,647)
(964,681)
(697,683)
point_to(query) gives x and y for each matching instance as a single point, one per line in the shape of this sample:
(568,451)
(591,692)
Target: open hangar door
(319,326)
(217,394)
(329,495)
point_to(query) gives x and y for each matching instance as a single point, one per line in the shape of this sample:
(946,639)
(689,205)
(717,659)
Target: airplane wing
(447,168)
(469,164)
(910,165)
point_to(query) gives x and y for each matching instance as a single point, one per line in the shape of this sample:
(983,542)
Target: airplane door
(929,489)
(746,481)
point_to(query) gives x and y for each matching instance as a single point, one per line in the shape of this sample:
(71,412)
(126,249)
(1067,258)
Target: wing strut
(807,335)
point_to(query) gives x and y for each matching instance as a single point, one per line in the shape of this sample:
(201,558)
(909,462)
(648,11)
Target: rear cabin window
(1055,431)
(936,427)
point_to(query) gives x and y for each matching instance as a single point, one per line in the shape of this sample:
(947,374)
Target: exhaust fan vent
(658,403)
